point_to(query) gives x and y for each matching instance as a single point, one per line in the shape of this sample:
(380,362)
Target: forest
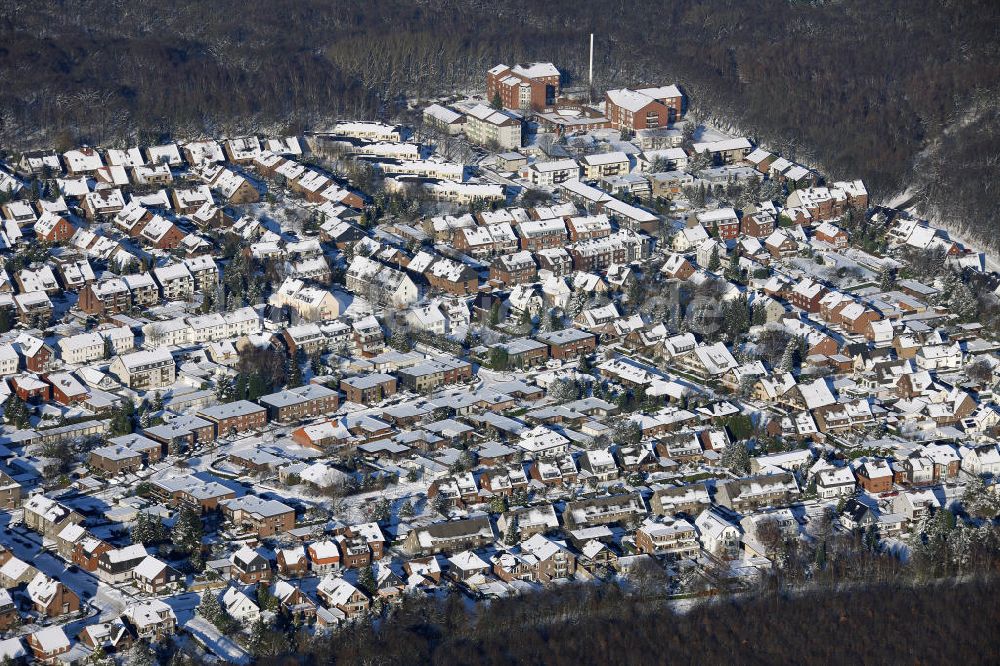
(932,624)
(900,93)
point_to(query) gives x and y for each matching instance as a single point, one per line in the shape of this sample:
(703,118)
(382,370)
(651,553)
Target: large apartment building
(529,86)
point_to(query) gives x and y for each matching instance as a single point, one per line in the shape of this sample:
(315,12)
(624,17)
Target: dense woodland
(939,624)
(894,92)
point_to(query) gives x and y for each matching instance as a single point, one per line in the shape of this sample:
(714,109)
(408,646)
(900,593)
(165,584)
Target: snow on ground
(224,647)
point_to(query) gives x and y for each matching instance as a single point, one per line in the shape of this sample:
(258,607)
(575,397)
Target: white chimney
(591,77)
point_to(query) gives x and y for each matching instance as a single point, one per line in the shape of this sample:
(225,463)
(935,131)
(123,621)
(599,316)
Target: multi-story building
(643,108)
(298,403)
(497,129)
(551,173)
(265,518)
(513,269)
(368,389)
(530,86)
(235,417)
(144,370)
(176,282)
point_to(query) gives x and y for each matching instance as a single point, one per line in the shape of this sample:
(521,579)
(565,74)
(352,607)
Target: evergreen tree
(366,581)
(510,536)
(821,555)
(16,412)
(498,504)
(736,458)
(257,386)
(148,529)
(295,374)
(714,262)
(187,532)
(733,272)
(788,357)
(406,511)
(978,501)
(121,421)
(886,280)
(381,511)
(141,654)
(400,341)
(257,637)
(210,608)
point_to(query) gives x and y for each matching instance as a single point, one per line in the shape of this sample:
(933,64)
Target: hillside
(880,624)
(860,89)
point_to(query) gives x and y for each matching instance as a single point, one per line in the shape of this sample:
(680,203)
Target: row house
(192,492)
(551,173)
(444,119)
(265,518)
(690,499)
(235,417)
(726,151)
(588,227)
(676,538)
(452,277)
(827,203)
(724,221)
(432,374)
(754,492)
(542,234)
(513,269)
(568,344)
(296,404)
(105,298)
(604,510)
(557,261)
(602,165)
(368,389)
(307,339)
(450,536)
(176,282)
(486,240)
(524,352)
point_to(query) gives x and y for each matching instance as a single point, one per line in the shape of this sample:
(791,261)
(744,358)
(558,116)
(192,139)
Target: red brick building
(529,86)
(643,108)
(568,343)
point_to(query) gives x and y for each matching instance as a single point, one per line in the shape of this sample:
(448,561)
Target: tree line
(890,92)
